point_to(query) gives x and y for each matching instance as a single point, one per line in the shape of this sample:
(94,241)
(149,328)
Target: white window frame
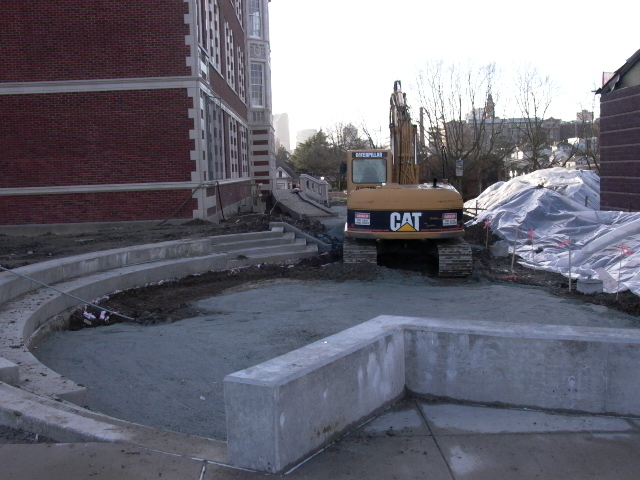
(230,57)
(233,147)
(244,150)
(239,11)
(215,147)
(214,35)
(254,23)
(242,93)
(257,84)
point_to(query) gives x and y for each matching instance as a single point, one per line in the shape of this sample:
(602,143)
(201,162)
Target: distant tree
(371,143)
(314,156)
(284,156)
(533,95)
(342,138)
(588,129)
(460,121)
(591,150)
(323,153)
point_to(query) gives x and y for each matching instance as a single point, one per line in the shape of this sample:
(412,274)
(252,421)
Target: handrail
(315,188)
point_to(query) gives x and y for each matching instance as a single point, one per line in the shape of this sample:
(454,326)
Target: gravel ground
(169,374)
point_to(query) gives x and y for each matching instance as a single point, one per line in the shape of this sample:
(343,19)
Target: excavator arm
(403,135)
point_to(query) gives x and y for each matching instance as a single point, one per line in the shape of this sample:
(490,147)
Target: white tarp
(558,207)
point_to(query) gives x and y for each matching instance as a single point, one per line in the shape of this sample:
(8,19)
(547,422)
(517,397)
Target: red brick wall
(229,194)
(92,39)
(95,207)
(234,192)
(620,149)
(95,138)
(218,80)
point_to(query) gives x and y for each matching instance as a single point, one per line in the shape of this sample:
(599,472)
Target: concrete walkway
(415,439)
(298,205)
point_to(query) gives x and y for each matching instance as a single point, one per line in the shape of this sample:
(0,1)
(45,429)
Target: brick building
(620,138)
(135,110)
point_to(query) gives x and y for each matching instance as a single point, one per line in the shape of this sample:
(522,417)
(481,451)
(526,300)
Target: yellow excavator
(387,208)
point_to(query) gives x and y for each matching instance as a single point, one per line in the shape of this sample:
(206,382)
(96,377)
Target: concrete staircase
(275,245)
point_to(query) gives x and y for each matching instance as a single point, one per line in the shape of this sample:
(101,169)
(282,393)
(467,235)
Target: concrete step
(283,239)
(295,245)
(63,269)
(308,251)
(275,232)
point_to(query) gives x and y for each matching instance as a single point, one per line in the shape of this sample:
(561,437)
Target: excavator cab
(368,169)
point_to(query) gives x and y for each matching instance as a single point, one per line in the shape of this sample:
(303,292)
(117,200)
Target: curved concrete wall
(54,271)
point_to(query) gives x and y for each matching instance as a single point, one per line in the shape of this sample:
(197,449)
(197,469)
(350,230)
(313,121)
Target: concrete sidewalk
(415,439)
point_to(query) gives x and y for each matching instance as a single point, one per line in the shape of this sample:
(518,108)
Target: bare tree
(533,96)
(460,119)
(373,144)
(588,129)
(342,137)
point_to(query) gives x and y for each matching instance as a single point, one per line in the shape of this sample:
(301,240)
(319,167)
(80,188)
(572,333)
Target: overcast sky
(335,61)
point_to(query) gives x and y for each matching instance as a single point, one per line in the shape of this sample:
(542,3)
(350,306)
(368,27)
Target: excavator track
(454,258)
(355,250)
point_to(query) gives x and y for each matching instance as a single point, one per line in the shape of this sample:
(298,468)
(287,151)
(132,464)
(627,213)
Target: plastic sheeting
(552,217)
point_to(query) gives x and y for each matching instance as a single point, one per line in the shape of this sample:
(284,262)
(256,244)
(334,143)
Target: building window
(215,36)
(214,140)
(258,117)
(241,80)
(233,147)
(257,85)
(203,20)
(255,19)
(244,151)
(230,57)
(239,11)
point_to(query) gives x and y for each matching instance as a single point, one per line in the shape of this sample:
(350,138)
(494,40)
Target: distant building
(134,110)
(620,138)
(304,135)
(285,178)
(281,127)
(584,116)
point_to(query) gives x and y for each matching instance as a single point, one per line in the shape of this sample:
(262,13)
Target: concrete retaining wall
(539,366)
(283,410)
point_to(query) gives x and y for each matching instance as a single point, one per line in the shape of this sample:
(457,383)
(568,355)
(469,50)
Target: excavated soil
(168,301)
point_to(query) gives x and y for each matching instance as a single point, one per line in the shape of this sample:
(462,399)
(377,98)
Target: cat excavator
(389,210)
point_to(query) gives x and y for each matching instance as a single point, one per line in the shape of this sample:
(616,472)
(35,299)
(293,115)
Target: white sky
(335,61)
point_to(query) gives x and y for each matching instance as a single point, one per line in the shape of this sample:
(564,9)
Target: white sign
(459,168)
